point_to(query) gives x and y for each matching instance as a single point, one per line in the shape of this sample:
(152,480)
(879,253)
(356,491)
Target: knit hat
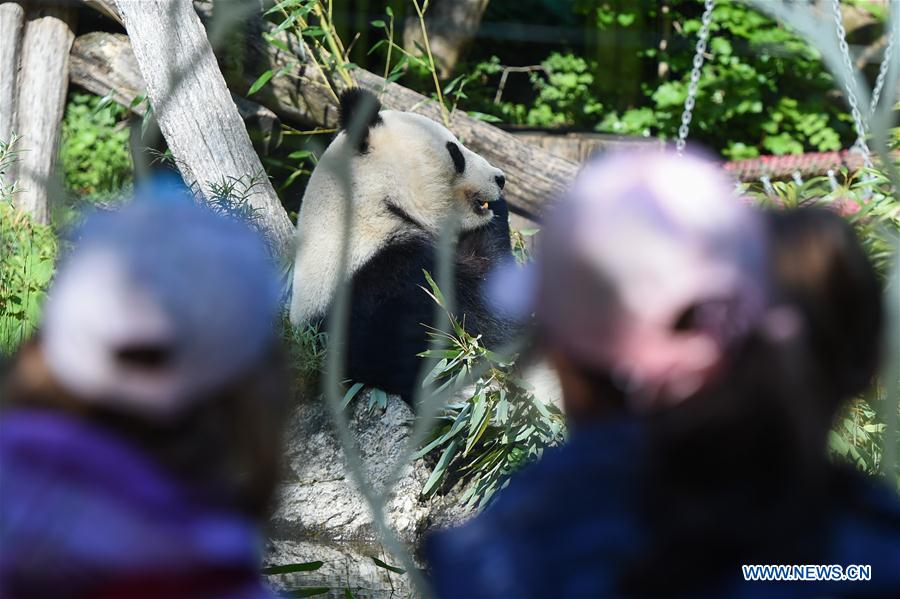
(648,269)
(158,304)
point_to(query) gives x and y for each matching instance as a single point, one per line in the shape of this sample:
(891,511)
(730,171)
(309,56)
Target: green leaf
(377,397)
(379,23)
(350,394)
(440,468)
(482,116)
(291,568)
(307,592)
(260,81)
(381,564)
(280,44)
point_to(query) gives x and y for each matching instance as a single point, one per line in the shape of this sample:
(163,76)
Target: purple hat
(649,269)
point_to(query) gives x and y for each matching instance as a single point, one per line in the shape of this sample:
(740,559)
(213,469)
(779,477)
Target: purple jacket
(83,513)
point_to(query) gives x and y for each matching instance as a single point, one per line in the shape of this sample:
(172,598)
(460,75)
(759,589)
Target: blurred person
(820,267)
(139,436)
(697,434)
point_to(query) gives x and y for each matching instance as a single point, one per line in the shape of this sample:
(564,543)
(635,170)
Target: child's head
(820,267)
(160,326)
(655,299)
(649,275)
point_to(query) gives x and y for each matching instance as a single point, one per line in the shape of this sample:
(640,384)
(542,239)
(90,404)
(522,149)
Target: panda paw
(501,211)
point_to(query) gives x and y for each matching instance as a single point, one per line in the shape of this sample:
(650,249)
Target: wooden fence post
(32,102)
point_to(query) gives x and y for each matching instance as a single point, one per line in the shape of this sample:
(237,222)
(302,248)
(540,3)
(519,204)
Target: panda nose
(501,181)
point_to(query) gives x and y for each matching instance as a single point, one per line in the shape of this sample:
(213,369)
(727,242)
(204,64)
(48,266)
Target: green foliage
(498,428)
(231,198)
(311,21)
(864,197)
(763,90)
(564,93)
(520,247)
(94,151)
(27,257)
(306,346)
(858,437)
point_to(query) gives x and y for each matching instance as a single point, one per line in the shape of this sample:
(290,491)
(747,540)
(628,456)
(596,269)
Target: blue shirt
(570,526)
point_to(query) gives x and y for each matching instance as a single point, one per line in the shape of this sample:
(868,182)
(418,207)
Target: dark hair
(739,472)
(823,271)
(227,448)
(735,474)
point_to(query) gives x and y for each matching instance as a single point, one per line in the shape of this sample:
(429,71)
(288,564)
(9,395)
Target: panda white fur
(407,175)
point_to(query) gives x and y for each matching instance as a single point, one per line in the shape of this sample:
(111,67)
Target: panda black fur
(408,174)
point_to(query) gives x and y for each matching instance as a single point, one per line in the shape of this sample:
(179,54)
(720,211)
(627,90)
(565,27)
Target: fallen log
(194,108)
(104,64)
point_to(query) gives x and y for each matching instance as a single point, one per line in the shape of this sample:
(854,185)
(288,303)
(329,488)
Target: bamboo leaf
(381,564)
(440,468)
(291,568)
(260,81)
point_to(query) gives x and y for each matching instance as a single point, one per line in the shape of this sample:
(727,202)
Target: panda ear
(359,108)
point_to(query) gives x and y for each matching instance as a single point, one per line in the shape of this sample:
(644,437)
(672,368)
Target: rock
(345,566)
(321,516)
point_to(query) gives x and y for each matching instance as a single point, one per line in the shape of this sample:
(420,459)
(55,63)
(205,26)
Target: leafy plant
(763,89)
(857,437)
(520,247)
(864,197)
(499,427)
(306,346)
(94,151)
(231,198)
(563,87)
(27,258)
(422,63)
(311,23)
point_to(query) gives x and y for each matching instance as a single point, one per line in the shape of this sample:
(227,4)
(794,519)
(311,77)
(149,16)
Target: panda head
(415,168)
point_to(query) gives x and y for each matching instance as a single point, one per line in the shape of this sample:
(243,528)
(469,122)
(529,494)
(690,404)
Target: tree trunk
(451,26)
(40,90)
(103,63)
(193,106)
(12,25)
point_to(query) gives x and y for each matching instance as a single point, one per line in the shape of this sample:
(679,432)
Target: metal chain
(858,121)
(882,72)
(686,116)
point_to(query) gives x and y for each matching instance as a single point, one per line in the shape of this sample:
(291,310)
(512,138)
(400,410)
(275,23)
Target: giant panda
(407,175)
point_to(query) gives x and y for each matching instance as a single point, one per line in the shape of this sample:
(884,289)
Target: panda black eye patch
(459,161)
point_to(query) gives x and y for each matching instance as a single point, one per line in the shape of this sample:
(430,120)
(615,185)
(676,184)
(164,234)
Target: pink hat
(648,269)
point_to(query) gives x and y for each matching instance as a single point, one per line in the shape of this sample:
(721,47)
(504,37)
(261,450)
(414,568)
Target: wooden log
(41,97)
(104,63)
(194,108)
(12,25)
